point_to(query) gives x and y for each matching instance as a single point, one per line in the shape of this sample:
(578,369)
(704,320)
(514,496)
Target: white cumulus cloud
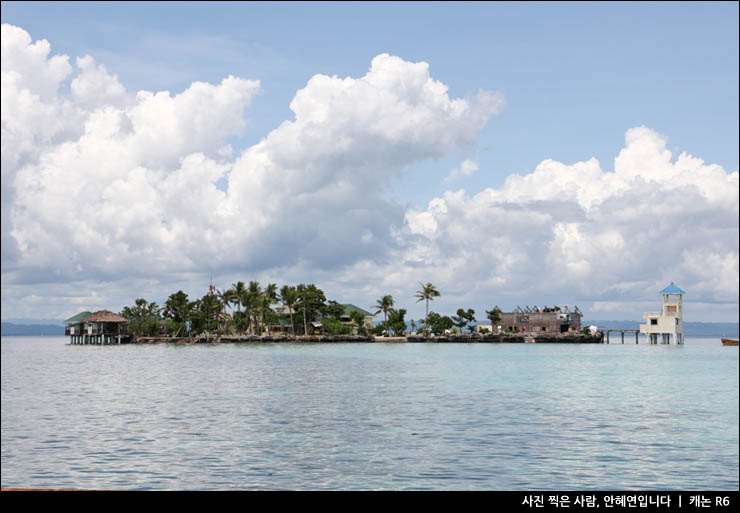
(467,168)
(110,186)
(568,231)
(137,192)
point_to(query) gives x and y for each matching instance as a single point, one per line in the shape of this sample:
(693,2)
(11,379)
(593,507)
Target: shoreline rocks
(464,338)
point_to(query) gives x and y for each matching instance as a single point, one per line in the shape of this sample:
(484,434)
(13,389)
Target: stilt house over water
(74,325)
(101,327)
(668,323)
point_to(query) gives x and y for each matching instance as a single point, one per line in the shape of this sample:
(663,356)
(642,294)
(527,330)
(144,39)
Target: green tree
(239,292)
(332,309)
(427,293)
(358,318)
(144,317)
(494,315)
(252,302)
(396,322)
(437,323)
(226,298)
(177,309)
(385,304)
(289,297)
(463,318)
(335,327)
(238,297)
(240,322)
(310,301)
(332,314)
(264,306)
(204,314)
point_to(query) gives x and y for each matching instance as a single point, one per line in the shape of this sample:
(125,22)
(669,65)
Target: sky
(509,153)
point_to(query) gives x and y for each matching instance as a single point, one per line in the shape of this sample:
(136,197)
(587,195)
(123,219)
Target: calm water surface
(369,416)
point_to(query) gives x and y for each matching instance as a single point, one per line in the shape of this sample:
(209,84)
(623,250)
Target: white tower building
(668,323)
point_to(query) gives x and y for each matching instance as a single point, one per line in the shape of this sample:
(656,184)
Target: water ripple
(372,416)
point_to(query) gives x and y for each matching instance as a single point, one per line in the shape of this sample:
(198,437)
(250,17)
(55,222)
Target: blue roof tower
(672,289)
(668,323)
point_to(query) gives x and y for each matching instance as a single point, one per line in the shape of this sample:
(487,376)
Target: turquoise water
(369,416)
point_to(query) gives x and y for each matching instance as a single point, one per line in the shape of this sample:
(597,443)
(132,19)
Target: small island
(250,313)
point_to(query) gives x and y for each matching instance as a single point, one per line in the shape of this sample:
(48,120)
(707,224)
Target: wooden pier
(636,332)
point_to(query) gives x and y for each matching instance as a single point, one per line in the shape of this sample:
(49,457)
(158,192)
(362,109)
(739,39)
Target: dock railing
(636,332)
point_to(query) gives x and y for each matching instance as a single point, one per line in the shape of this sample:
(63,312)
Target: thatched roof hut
(101,327)
(104,316)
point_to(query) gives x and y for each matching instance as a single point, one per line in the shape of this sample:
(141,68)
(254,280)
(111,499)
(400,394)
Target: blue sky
(575,75)
(574,78)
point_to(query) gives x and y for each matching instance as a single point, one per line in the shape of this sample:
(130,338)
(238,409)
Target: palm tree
(206,310)
(143,317)
(239,292)
(226,297)
(384,305)
(428,292)
(252,304)
(239,295)
(301,291)
(266,300)
(289,296)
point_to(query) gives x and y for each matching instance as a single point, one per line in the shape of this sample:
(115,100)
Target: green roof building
(77,318)
(348,309)
(352,308)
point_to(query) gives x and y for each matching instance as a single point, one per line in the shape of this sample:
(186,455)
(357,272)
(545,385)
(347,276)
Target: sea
(369,416)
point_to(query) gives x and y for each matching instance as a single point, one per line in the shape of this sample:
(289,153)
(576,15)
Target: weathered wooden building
(556,319)
(101,327)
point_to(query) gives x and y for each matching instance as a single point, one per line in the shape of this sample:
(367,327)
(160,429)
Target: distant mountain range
(11,329)
(691,329)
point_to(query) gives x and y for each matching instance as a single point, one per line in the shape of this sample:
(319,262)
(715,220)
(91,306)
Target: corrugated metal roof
(77,318)
(352,308)
(672,289)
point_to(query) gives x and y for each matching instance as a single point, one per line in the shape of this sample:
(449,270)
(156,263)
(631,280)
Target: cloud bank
(578,231)
(108,195)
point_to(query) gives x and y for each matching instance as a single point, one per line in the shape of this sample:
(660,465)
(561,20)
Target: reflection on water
(369,416)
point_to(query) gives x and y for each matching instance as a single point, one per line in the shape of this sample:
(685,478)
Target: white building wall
(669,321)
